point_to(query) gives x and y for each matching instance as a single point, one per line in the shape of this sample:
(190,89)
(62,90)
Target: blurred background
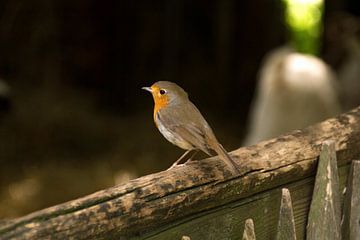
(74,119)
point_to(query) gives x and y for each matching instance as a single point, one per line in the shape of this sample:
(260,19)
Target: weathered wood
(227,222)
(185,238)
(351,210)
(180,202)
(249,230)
(286,224)
(325,205)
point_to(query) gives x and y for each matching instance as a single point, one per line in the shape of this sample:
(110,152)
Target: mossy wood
(202,200)
(325,208)
(286,223)
(351,211)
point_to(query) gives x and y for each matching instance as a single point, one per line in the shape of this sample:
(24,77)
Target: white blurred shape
(294,90)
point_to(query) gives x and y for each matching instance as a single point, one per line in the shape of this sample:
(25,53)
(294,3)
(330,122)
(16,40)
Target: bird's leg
(180,159)
(192,156)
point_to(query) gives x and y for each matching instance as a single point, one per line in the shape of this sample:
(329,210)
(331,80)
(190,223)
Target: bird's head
(166,93)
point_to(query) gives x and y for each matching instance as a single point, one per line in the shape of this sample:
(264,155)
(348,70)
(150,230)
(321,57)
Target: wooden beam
(176,203)
(286,223)
(325,204)
(351,212)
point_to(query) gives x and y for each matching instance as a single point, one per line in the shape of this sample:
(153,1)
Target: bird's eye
(162,91)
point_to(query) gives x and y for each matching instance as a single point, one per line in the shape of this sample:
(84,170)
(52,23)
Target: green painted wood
(325,212)
(202,200)
(227,222)
(249,230)
(286,223)
(351,210)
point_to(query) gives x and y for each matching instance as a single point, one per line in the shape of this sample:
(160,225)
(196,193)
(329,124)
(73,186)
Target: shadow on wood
(202,200)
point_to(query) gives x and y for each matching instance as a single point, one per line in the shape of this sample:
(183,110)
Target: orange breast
(160,102)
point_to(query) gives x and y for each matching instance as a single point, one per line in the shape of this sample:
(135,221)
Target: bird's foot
(178,164)
(175,165)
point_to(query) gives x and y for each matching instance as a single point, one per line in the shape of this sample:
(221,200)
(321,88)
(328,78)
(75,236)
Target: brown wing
(187,122)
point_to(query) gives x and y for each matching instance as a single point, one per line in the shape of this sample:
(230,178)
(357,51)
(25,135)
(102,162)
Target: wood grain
(202,199)
(351,210)
(286,223)
(325,204)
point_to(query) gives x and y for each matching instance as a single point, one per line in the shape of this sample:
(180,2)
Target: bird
(182,124)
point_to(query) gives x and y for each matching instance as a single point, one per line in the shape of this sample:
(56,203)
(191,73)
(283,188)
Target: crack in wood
(160,200)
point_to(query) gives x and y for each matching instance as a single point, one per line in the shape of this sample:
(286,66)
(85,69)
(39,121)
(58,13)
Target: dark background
(78,120)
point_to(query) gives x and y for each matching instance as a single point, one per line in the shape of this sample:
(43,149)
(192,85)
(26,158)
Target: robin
(182,124)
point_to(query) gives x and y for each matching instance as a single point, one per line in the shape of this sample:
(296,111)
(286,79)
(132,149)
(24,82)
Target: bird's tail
(220,150)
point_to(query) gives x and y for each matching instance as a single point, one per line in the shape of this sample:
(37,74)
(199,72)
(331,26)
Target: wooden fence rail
(202,200)
(351,210)
(286,223)
(325,204)
(324,219)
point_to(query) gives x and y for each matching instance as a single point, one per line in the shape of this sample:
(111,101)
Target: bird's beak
(147,89)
